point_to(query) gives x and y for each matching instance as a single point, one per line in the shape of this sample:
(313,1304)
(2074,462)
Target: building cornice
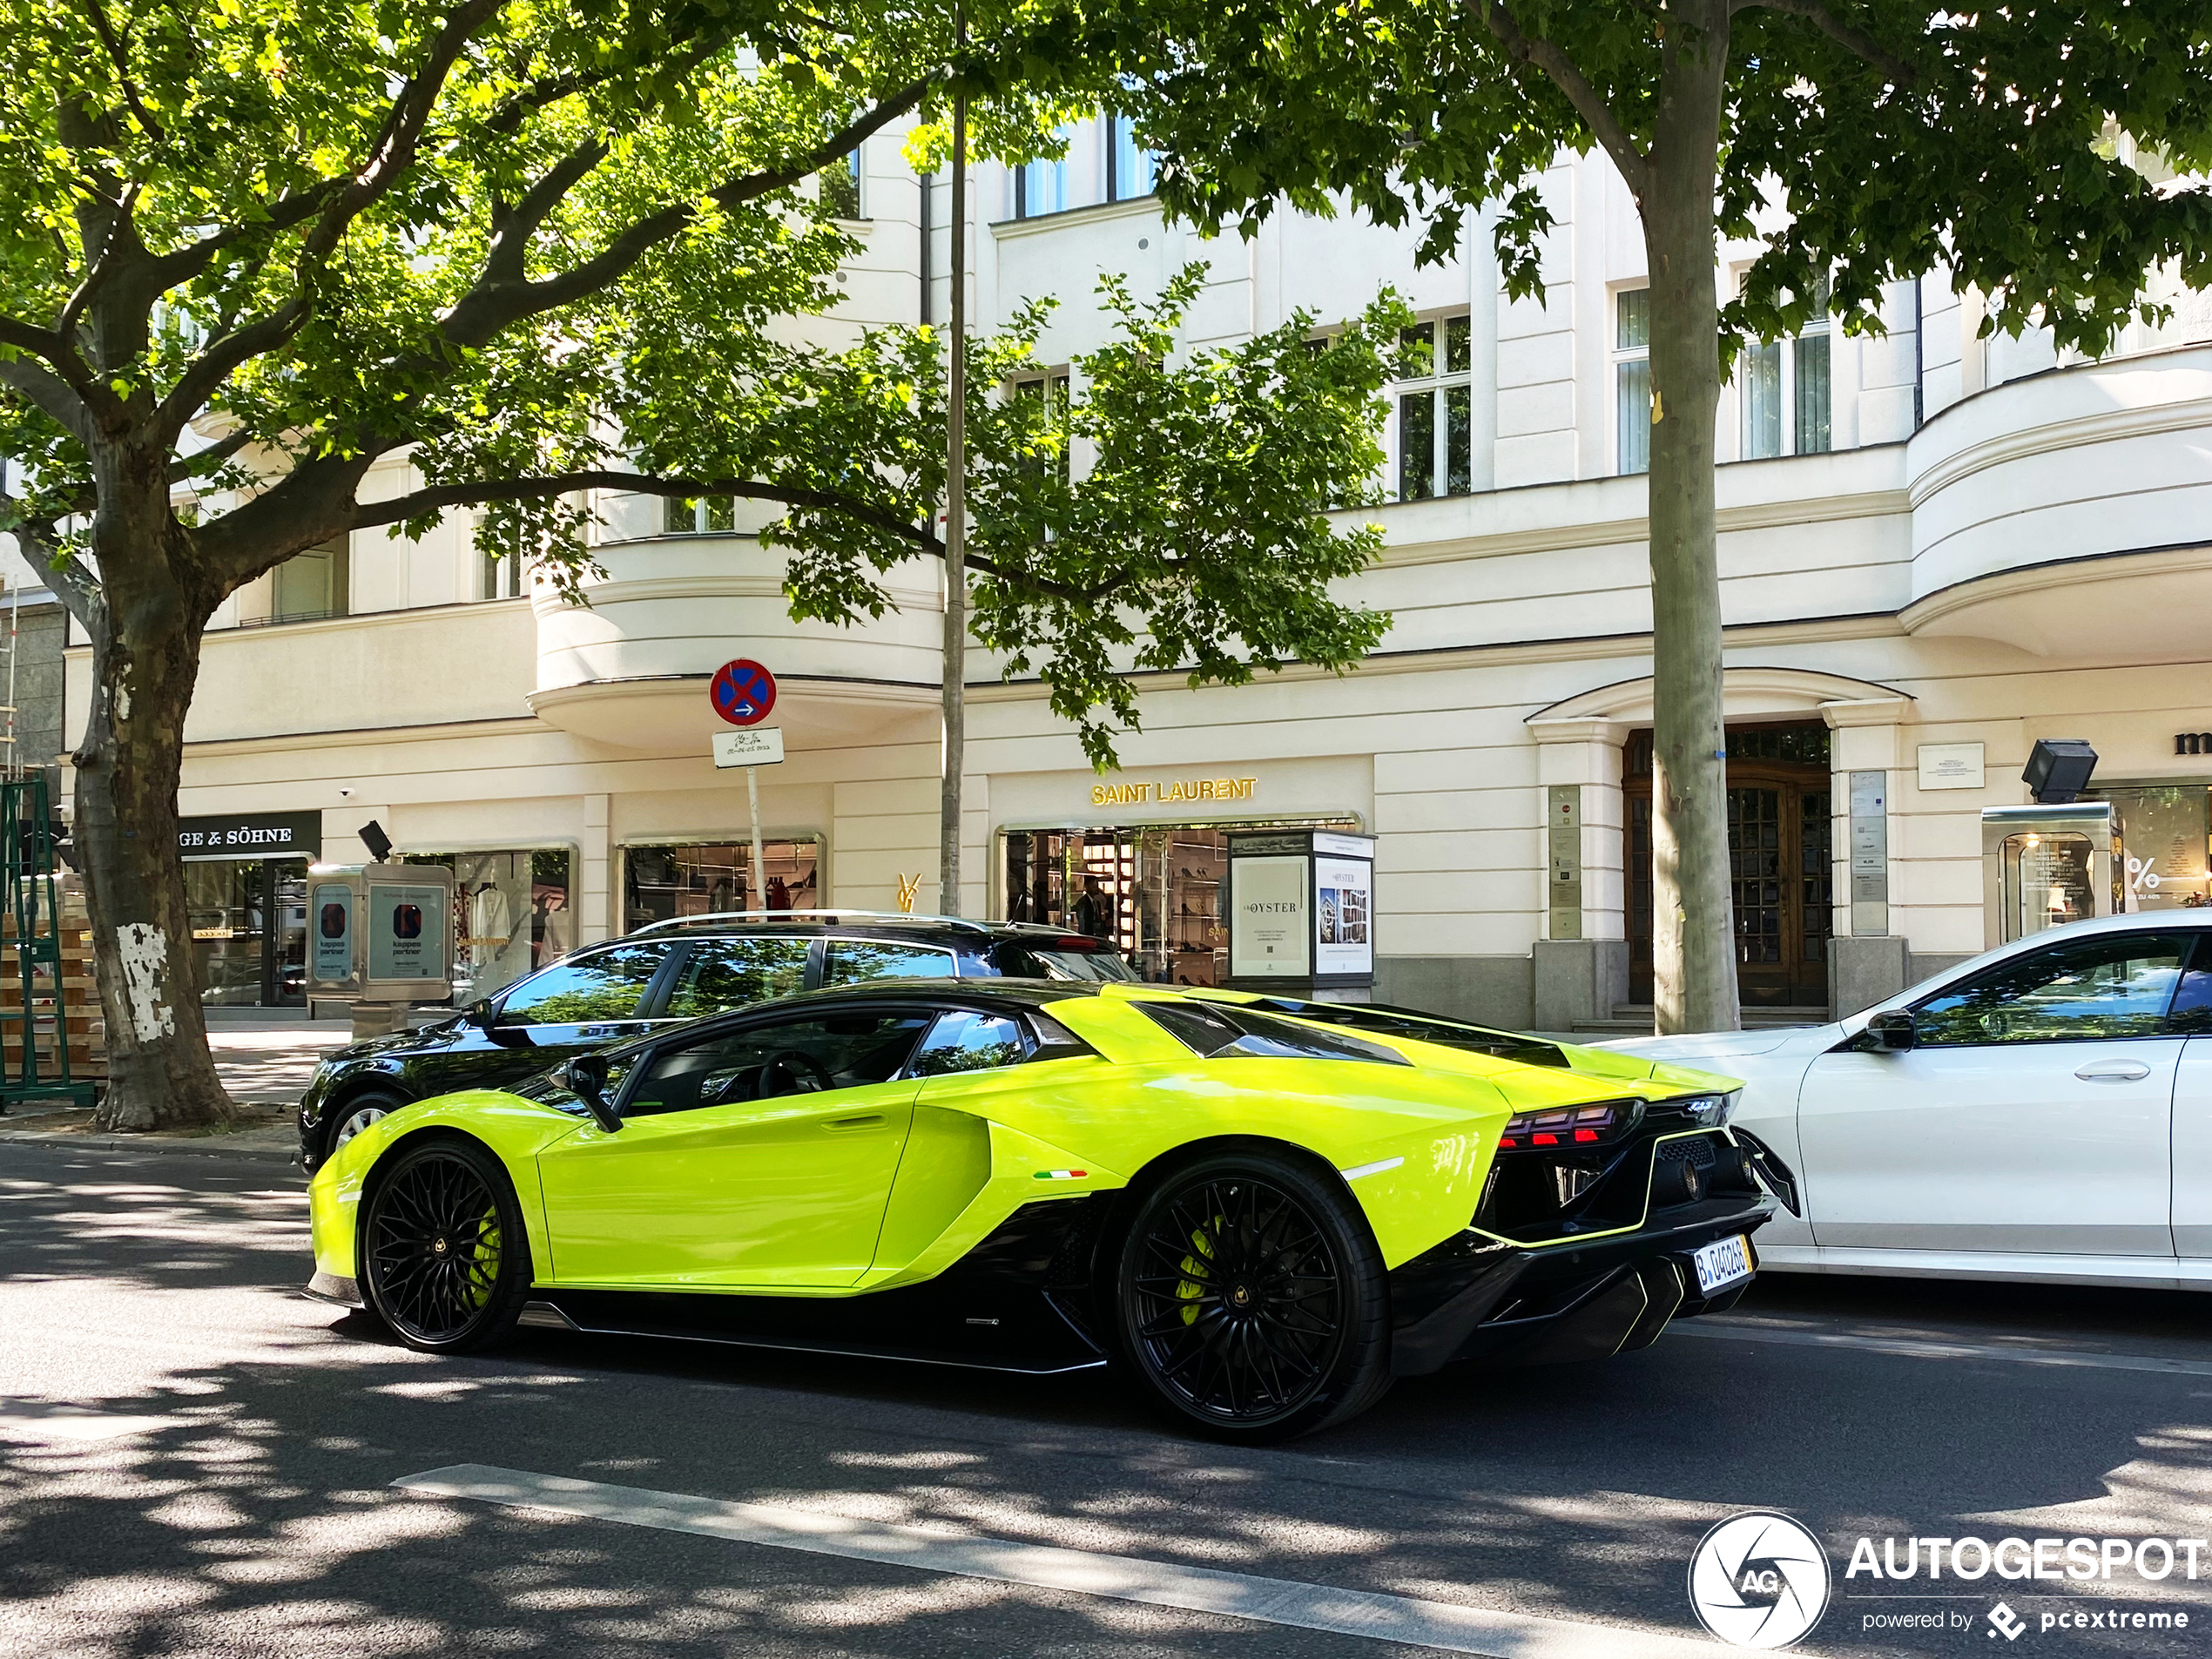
(2073,432)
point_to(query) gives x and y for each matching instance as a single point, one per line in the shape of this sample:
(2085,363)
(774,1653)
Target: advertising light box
(381,932)
(1301,907)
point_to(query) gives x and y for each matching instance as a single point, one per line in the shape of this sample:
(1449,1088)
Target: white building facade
(1934,549)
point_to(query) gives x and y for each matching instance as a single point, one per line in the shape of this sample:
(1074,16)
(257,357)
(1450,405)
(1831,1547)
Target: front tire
(1250,1300)
(358,1114)
(444,1259)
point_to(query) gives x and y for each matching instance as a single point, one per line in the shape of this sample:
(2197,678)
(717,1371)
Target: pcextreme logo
(1759,1581)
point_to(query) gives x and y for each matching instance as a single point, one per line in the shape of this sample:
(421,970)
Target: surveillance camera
(343,794)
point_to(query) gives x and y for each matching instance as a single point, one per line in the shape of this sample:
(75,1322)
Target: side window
(722,975)
(2116,987)
(2191,1014)
(964,1040)
(785,1057)
(604,987)
(1217,1032)
(851,962)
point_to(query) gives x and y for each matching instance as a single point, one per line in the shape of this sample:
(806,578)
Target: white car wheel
(353,1125)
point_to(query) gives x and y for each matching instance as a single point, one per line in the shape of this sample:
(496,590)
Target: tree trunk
(145,661)
(1693,939)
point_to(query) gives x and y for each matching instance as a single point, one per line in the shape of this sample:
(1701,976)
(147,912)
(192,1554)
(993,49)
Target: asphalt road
(222,1482)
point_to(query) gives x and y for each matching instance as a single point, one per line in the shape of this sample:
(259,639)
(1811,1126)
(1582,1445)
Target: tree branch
(122,62)
(111,255)
(43,389)
(1561,69)
(494,304)
(196,465)
(437,497)
(391,155)
(1856,42)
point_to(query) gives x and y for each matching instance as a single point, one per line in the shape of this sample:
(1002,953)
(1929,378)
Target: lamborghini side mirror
(586,1076)
(1891,1031)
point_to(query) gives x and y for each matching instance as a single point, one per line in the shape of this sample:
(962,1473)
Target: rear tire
(1250,1301)
(444,1259)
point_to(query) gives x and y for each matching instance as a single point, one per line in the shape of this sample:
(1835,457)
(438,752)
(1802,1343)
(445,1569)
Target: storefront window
(249,931)
(2159,837)
(1153,890)
(2047,882)
(660,883)
(511,915)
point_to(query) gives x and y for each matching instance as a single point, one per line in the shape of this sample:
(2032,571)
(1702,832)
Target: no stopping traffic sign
(742,692)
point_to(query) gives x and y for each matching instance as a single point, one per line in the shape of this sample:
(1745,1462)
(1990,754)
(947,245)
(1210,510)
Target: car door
(587,1000)
(2033,1113)
(2191,1014)
(758,1153)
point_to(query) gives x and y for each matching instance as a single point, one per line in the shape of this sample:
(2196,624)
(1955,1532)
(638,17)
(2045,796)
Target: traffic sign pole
(752,801)
(742,692)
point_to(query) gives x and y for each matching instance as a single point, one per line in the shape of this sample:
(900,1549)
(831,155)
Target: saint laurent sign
(1174,790)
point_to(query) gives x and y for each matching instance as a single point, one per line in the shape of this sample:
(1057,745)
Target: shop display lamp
(2057,769)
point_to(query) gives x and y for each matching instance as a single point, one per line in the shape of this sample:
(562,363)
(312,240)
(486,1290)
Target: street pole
(752,801)
(955,651)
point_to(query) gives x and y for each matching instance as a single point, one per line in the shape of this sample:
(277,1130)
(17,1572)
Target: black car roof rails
(785,916)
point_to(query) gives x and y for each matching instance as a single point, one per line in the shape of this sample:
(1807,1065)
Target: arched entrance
(1779,855)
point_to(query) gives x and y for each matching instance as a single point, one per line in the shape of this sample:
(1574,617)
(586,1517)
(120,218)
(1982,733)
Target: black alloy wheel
(444,1259)
(1251,1300)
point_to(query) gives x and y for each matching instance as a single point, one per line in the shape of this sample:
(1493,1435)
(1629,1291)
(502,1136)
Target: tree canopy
(248,247)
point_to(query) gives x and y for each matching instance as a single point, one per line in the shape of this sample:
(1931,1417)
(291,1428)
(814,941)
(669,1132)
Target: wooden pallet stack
(69,996)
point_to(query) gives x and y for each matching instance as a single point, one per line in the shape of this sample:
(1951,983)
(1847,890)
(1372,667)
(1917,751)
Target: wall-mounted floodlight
(2057,769)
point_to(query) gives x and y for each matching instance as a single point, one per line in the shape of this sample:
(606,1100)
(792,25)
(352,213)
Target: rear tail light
(1566,1127)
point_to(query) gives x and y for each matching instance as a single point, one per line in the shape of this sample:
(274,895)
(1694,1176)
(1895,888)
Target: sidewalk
(264,1065)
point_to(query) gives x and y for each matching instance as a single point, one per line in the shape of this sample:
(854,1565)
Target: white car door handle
(2113,1071)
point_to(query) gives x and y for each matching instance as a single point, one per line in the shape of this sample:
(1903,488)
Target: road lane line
(44,1423)
(1123,1578)
(1910,1348)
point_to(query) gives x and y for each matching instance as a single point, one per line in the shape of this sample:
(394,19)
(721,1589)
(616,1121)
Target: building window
(1041,187)
(1050,391)
(308,586)
(1782,387)
(499,568)
(660,883)
(1436,409)
(839,185)
(691,515)
(1632,380)
(1130,168)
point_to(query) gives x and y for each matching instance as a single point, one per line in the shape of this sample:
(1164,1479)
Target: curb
(148,1143)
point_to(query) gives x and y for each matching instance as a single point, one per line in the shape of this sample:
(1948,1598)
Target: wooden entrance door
(1778,863)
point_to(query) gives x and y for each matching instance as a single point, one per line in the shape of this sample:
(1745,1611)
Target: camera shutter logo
(1759,1581)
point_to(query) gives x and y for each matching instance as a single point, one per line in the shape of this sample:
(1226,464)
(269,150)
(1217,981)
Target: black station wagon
(661,976)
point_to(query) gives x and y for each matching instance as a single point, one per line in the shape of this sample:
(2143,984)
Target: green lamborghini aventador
(1265,1209)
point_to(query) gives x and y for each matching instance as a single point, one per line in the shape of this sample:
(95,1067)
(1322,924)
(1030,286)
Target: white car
(2043,1112)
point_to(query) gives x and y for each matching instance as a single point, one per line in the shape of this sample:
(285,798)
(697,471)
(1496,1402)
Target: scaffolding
(35,984)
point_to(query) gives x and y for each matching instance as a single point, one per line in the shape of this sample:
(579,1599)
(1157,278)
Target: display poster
(330,910)
(1269,932)
(1344,916)
(406,931)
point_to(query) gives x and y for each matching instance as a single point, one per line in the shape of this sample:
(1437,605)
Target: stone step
(1631,1020)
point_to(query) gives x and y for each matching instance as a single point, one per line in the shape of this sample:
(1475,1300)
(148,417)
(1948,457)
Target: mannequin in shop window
(549,926)
(779,893)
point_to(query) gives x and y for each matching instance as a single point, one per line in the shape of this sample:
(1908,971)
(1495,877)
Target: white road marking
(1914,1348)
(44,1424)
(1123,1578)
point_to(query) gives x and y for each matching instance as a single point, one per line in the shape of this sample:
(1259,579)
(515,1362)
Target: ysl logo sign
(909,886)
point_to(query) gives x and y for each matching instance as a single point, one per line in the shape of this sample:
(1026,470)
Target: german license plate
(1720,1265)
